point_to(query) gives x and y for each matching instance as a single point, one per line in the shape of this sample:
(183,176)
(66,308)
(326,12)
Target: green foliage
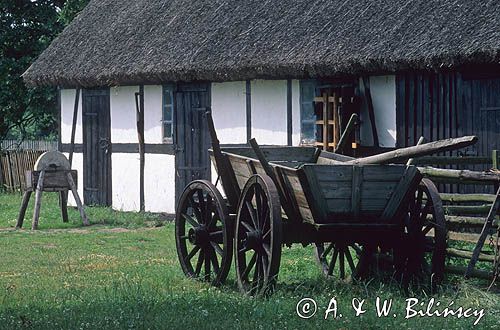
(26,28)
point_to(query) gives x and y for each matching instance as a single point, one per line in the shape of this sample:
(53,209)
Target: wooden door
(96,147)
(192,161)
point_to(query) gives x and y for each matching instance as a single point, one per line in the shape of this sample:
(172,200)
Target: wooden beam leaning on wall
(139,105)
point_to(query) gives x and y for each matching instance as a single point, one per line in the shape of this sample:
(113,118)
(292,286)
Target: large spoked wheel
(333,257)
(258,231)
(203,233)
(426,234)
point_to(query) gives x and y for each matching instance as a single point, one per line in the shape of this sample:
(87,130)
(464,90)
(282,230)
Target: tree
(26,28)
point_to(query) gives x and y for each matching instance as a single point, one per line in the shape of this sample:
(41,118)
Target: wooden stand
(52,181)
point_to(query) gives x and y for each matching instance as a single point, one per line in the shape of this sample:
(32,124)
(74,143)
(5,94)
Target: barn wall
(269,111)
(383,93)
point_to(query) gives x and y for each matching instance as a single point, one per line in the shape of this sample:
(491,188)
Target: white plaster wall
(229,111)
(159,178)
(383,92)
(123,114)
(125,181)
(153,103)
(269,111)
(159,188)
(295,112)
(67,109)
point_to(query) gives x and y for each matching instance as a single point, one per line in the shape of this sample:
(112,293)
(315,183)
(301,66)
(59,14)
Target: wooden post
(22,211)
(495,163)
(79,204)
(486,230)
(73,127)
(351,124)
(38,200)
(63,199)
(325,122)
(139,104)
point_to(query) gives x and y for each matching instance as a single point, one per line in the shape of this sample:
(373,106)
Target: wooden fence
(42,145)
(470,217)
(13,166)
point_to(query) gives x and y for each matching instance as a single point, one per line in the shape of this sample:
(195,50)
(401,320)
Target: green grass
(103,276)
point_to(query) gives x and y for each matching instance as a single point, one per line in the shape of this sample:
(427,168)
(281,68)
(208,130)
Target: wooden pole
(22,211)
(351,124)
(78,201)
(459,176)
(411,160)
(416,151)
(38,200)
(486,230)
(139,103)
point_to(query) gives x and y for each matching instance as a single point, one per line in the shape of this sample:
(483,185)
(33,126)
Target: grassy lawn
(122,272)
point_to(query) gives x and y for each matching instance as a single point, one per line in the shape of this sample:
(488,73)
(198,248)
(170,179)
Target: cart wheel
(203,233)
(426,233)
(332,258)
(258,229)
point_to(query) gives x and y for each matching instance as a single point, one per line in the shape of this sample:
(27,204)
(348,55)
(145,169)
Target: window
(307,114)
(168,113)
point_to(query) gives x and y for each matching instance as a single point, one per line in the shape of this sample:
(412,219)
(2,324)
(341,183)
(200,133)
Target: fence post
(1,172)
(495,162)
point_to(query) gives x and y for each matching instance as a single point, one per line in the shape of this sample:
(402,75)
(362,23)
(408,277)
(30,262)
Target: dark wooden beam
(248,93)
(139,103)
(130,148)
(289,122)
(73,126)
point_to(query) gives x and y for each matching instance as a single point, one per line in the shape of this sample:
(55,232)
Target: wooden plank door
(96,147)
(192,161)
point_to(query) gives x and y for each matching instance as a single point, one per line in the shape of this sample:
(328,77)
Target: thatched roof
(118,42)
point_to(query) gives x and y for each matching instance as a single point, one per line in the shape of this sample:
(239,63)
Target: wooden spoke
(192,253)
(258,202)
(333,261)
(267,249)
(247,226)
(215,262)
(427,229)
(250,265)
(252,213)
(341,263)
(207,265)
(199,263)
(349,260)
(190,220)
(217,248)
(327,250)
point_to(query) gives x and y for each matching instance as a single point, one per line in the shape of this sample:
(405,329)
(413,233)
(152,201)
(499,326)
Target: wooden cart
(277,196)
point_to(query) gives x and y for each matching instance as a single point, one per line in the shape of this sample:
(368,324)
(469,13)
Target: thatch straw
(150,41)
